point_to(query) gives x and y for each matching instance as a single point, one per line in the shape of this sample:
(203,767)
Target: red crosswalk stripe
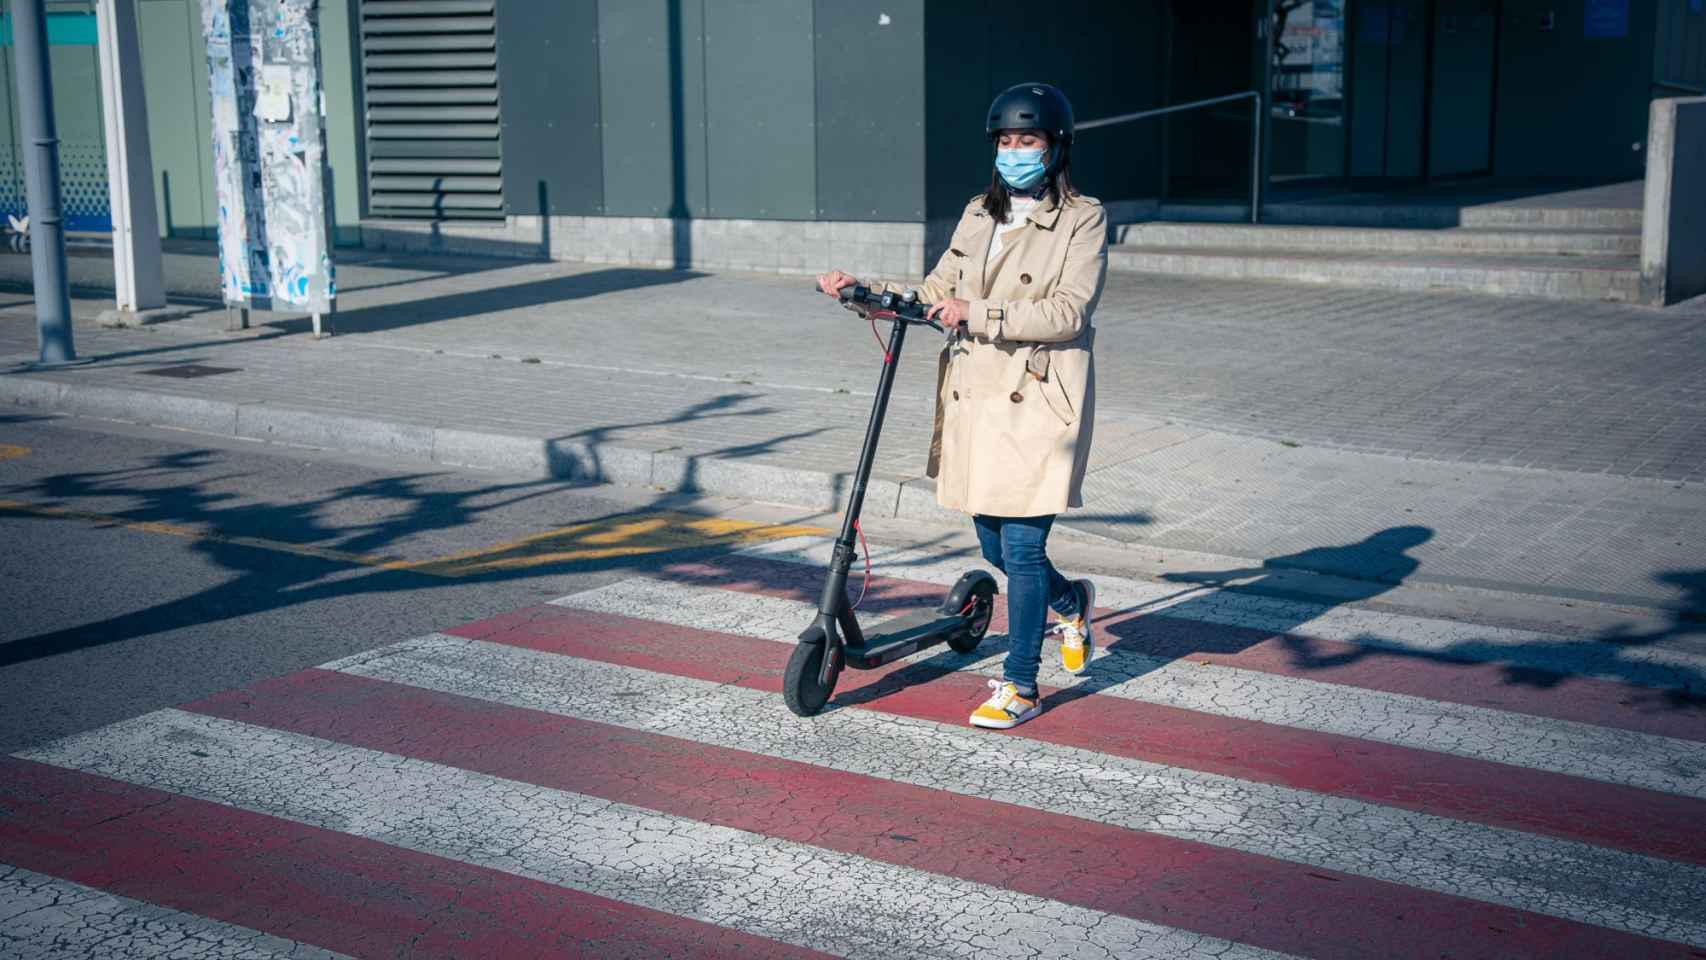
(1603,814)
(1258,900)
(339,892)
(288,872)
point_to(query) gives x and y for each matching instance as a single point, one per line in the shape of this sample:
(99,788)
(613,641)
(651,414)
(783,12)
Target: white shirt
(1019,208)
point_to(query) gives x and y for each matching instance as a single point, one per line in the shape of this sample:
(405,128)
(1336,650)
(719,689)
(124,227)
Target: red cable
(872,316)
(887,359)
(866,585)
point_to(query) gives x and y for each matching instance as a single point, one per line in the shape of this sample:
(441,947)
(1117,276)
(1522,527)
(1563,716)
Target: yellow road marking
(627,536)
(10,452)
(613,537)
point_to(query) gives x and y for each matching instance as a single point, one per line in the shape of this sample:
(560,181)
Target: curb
(887,498)
(906,498)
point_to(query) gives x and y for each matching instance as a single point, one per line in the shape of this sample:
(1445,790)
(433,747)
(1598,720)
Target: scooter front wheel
(978,608)
(802,687)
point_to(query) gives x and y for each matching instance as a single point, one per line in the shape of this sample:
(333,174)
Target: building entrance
(1380,90)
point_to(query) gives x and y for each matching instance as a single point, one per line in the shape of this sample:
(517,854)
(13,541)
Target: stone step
(1415,216)
(1563,278)
(1453,240)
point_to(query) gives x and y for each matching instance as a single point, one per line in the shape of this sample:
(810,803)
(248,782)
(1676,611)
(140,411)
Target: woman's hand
(950,313)
(832,282)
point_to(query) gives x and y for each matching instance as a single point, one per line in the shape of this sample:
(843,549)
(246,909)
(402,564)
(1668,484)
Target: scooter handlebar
(906,308)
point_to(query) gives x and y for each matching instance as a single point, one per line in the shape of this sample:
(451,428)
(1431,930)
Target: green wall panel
(174,79)
(1106,57)
(652,103)
(548,92)
(870,109)
(760,110)
(340,76)
(82,137)
(11,159)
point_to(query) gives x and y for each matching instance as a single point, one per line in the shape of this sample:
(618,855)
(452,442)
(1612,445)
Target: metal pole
(1256,159)
(41,177)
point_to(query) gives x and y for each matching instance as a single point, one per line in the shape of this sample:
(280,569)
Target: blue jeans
(1018,547)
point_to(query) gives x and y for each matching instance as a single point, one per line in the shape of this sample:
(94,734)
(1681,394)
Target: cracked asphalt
(269,702)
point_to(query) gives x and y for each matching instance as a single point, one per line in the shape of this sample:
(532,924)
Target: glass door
(1209,51)
(1460,89)
(1306,103)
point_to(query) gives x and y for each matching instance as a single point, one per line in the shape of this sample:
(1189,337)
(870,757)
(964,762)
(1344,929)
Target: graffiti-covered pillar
(269,155)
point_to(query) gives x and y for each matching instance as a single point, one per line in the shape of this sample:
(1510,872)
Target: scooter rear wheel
(801,688)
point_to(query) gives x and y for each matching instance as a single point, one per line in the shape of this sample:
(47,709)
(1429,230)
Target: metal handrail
(1255,135)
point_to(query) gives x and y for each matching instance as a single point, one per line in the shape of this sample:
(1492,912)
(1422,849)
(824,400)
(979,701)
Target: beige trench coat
(1016,397)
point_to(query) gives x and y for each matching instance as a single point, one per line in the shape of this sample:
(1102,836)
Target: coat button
(1016,396)
(956,394)
(1024,278)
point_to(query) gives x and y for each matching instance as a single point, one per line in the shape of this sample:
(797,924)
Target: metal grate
(430,77)
(190,371)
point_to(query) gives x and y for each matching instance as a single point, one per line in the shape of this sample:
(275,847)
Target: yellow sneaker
(1077,641)
(1004,708)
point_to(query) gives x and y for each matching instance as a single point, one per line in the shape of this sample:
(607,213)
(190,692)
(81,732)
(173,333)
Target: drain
(189,371)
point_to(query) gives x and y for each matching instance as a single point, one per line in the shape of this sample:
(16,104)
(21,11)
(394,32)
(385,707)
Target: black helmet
(1039,106)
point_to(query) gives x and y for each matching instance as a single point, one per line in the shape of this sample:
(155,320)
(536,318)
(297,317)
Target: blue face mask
(1022,169)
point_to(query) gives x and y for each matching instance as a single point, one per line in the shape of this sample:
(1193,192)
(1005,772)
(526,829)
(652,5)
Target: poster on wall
(269,154)
(1606,19)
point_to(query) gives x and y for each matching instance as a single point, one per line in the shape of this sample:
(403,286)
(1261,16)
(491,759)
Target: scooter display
(835,639)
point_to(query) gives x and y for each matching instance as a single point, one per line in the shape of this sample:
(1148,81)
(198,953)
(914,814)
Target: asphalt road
(614,772)
(145,568)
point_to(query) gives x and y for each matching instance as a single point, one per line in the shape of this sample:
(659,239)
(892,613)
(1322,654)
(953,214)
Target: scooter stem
(835,589)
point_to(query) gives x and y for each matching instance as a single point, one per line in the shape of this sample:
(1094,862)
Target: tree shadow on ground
(329,559)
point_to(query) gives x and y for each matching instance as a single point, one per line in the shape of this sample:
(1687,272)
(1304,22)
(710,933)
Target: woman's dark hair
(998,200)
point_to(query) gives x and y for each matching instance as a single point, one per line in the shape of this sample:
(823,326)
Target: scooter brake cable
(872,316)
(888,358)
(866,583)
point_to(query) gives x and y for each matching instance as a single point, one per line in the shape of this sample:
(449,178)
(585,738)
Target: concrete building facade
(790,134)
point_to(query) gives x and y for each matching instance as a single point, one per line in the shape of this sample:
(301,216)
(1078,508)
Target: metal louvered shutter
(430,77)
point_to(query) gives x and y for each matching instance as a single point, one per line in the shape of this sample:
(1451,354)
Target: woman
(1015,383)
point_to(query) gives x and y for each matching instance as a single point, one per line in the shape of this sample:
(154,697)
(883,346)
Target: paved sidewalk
(1509,443)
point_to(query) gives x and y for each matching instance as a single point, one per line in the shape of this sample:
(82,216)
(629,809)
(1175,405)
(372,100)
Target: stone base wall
(1673,223)
(892,251)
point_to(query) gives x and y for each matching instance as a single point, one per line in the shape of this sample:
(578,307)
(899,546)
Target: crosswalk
(614,774)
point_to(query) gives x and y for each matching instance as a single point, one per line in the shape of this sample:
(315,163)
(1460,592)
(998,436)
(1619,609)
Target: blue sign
(1607,19)
(63,30)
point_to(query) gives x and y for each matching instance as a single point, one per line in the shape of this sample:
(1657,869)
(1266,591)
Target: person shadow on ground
(1225,619)
(1151,636)
(1206,617)
(1224,613)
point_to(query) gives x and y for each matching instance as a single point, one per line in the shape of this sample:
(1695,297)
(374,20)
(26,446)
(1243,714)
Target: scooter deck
(903,636)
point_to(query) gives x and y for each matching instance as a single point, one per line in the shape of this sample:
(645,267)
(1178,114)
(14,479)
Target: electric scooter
(835,639)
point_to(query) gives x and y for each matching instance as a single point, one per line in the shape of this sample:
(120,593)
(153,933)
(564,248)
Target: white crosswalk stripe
(774,888)
(1570,880)
(43,917)
(1445,855)
(1577,749)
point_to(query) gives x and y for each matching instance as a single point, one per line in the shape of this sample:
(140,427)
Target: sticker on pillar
(272,100)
